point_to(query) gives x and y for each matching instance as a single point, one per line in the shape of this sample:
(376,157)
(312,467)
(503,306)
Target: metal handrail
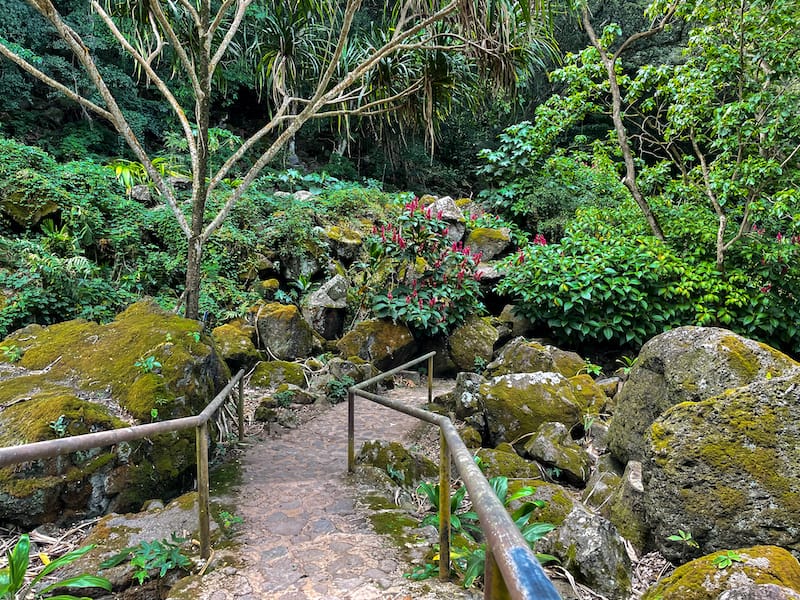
(11,455)
(512,569)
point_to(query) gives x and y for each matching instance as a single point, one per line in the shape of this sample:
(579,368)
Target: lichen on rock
(727,468)
(702,579)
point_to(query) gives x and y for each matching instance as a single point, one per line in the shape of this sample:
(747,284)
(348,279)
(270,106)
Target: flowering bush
(432,285)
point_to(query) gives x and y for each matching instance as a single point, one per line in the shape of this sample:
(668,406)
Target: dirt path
(304,533)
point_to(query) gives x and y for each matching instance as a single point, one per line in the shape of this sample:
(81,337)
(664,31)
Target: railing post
(494,587)
(444,508)
(430,379)
(201,444)
(240,409)
(351,431)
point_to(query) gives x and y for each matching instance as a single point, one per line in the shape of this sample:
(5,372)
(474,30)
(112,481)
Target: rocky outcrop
(451,214)
(283,331)
(553,447)
(687,364)
(275,372)
(518,404)
(489,242)
(727,468)
(382,343)
(235,343)
(523,356)
(78,377)
(472,343)
(404,466)
(325,309)
(702,579)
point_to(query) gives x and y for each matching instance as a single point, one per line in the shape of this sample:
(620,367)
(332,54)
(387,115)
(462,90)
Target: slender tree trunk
(200,167)
(610,63)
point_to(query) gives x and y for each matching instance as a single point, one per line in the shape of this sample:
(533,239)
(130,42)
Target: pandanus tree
(180,49)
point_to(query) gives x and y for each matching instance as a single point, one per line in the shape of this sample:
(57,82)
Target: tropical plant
(198,39)
(158,556)
(17,584)
(433,285)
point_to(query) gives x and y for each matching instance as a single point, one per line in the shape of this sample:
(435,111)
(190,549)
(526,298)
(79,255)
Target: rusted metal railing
(512,570)
(51,448)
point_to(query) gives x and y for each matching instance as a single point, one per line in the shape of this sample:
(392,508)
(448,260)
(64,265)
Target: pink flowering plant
(432,284)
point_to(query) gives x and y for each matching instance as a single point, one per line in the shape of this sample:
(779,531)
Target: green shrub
(605,282)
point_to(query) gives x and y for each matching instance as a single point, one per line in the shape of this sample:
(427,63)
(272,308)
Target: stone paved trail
(304,534)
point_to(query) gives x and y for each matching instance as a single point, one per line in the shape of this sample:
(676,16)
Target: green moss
(29,420)
(741,358)
(393,455)
(272,373)
(700,579)
(481,235)
(504,461)
(104,356)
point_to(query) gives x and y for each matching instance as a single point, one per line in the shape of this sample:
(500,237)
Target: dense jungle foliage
(708,136)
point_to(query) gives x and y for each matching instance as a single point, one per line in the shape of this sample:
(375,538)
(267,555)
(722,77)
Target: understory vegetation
(641,191)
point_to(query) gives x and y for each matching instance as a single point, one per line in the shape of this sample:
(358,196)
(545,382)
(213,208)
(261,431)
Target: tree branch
(26,66)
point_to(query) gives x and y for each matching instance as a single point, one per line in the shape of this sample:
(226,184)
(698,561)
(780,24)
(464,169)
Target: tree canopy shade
(305,51)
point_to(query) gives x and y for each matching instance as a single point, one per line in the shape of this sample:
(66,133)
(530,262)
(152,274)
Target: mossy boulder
(345,241)
(451,214)
(472,343)
(404,466)
(518,404)
(523,356)
(589,395)
(503,461)
(235,343)
(115,532)
(702,579)
(553,446)
(383,343)
(272,373)
(590,548)
(489,242)
(79,377)
(727,468)
(283,331)
(687,364)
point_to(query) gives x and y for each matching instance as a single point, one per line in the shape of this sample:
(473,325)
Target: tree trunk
(193,261)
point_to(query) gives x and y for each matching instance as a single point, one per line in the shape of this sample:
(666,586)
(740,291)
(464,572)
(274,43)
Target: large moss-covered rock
(235,343)
(702,579)
(503,461)
(518,404)
(79,377)
(727,468)
(687,364)
(472,343)
(283,331)
(523,356)
(625,507)
(382,343)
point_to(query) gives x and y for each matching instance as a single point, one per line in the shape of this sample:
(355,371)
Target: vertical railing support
(203,489)
(351,431)
(240,409)
(430,379)
(444,509)
(494,586)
